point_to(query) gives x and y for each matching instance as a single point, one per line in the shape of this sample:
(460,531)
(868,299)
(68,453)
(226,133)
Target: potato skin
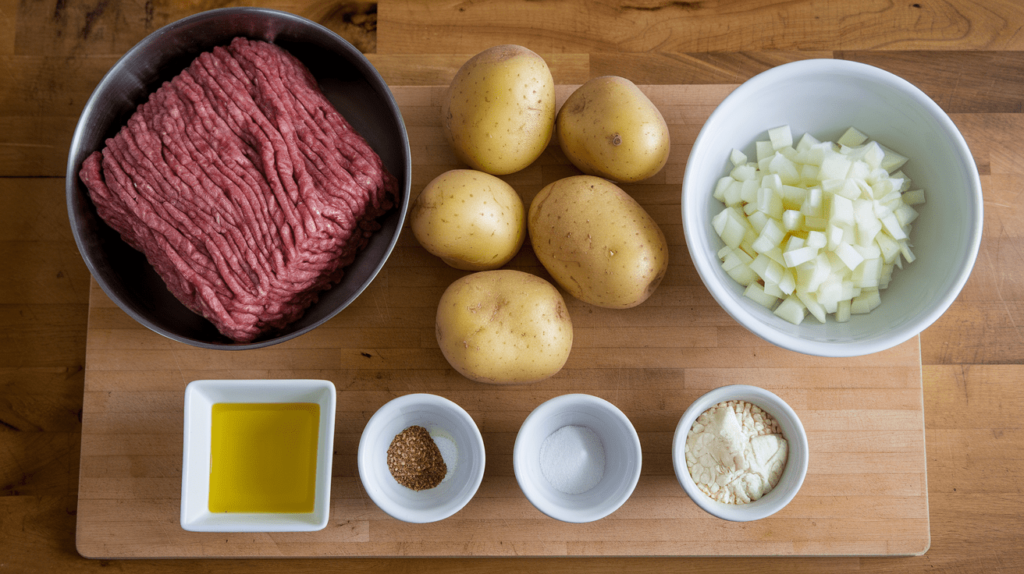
(470,219)
(504,326)
(609,128)
(597,242)
(499,111)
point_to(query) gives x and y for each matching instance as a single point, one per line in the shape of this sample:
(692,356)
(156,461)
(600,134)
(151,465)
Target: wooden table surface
(965,54)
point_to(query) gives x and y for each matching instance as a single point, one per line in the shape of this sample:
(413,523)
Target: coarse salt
(572,459)
(735,452)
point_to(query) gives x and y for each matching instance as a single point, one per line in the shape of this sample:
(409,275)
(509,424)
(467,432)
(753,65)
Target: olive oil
(263,457)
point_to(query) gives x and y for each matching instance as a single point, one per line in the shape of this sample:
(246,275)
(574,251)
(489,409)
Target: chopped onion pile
(818,226)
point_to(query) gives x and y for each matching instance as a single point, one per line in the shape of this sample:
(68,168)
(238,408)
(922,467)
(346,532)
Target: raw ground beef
(243,186)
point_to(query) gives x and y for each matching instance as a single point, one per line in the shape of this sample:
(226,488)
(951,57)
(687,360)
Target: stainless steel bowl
(348,80)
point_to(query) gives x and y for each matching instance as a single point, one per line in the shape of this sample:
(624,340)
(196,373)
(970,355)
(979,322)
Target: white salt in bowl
(444,420)
(622,455)
(824,98)
(796,466)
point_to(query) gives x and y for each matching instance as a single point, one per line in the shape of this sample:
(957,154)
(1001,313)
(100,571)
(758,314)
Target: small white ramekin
(441,417)
(621,449)
(792,431)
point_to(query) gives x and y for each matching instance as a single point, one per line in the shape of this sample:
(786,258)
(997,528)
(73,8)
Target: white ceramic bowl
(442,418)
(200,396)
(796,465)
(824,98)
(621,450)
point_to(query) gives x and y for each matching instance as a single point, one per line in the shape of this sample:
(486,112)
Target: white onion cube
(888,247)
(914,197)
(784,168)
(737,158)
(770,203)
(873,155)
(892,227)
(773,273)
(841,212)
(858,170)
(742,274)
(773,182)
(792,220)
(843,312)
(732,196)
(771,235)
(849,256)
(834,166)
(788,282)
(807,141)
(780,137)
(792,310)
(866,302)
(892,160)
(815,224)
(817,239)
(852,137)
(906,252)
(810,301)
(905,214)
(757,219)
(720,187)
(799,256)
(748,190)
(775,254)
(756,293)
(743,172)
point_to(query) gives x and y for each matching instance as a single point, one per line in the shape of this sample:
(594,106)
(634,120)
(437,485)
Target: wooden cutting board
(865,491)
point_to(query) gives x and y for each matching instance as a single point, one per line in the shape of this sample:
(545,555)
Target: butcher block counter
(90,402)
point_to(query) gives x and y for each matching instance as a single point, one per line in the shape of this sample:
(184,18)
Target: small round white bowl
(796,465)
(441,417)
(621,450)
(824,98)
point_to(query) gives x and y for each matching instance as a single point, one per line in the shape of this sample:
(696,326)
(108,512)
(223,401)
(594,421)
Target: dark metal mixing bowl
(348,80)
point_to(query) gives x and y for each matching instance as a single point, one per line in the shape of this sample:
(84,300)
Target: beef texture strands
(244,187)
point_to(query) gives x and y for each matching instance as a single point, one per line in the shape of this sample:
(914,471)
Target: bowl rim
(546,409)
(767,505)
(384,414)
(692,217)
(359,61)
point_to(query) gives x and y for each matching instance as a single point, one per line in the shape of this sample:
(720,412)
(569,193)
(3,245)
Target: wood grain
(964,53)
(658,26)
(863,415)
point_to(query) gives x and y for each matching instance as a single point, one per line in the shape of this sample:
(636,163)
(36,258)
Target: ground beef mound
(243,186)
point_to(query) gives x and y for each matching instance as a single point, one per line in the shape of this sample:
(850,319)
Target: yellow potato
(499,112)
(609,128)
(597,242)
(470,219)
(504,326)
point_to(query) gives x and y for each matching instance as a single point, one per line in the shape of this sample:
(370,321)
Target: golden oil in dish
(263,457)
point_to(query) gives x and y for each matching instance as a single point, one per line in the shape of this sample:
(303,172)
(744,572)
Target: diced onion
(817,228)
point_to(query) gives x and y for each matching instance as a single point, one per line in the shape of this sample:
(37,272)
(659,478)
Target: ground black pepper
(414,459)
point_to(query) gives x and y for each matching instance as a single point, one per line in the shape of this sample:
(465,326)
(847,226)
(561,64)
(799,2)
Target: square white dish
(200,396)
